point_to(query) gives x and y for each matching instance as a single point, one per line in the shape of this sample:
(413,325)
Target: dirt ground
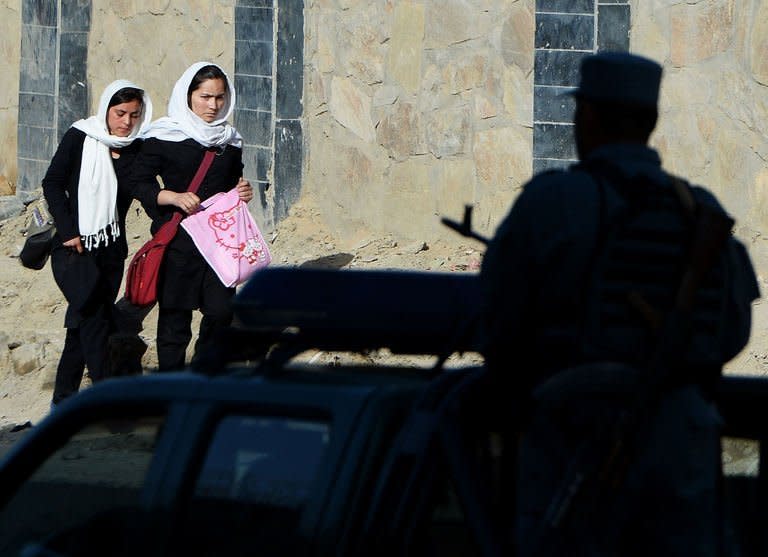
(32,307)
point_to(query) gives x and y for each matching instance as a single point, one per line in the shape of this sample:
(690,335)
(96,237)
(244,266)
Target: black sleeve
(237,167)
(60,174)
(142,184)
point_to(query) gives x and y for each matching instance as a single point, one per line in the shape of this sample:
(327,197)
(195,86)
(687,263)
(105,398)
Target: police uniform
(536,279)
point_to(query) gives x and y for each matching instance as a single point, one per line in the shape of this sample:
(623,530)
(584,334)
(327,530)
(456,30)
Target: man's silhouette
(583,271)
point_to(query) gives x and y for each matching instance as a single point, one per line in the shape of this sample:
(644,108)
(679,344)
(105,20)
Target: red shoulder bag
(144,268)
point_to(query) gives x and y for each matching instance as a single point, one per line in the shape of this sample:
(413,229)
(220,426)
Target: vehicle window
(255,480)
(101,468)
(741,491)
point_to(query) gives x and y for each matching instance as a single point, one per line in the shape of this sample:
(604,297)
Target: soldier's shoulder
(702,193)
(558,182)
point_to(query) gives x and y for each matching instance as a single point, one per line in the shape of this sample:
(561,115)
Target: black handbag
(39,233)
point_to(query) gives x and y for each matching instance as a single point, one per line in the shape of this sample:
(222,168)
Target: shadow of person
(334,261)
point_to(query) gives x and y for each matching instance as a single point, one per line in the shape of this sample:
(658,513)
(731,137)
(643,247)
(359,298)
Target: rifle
(600,464)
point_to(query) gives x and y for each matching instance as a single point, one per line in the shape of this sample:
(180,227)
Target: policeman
(570,240)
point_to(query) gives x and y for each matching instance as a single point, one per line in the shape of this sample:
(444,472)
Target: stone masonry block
(551,104)
(254,125)
(553,141)
(254,93)
(253,24)
(613,27)
(36,109)
(76,15)
(565,6)
(557,67)
(288,165)
(38,60)
(560,31)
(39,12)
(253,58)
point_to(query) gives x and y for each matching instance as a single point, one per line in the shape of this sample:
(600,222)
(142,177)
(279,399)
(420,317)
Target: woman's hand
(74,244)
(244,190)
(186,200)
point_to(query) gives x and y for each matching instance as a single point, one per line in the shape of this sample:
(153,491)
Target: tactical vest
(639,258)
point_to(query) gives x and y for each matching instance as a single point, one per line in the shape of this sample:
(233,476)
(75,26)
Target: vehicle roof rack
(407,312)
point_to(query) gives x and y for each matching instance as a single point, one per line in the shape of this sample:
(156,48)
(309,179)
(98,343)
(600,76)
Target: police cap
(619,77)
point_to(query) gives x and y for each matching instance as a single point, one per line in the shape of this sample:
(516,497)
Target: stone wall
(414,108)
(10,53)
(713,123)
(153,41)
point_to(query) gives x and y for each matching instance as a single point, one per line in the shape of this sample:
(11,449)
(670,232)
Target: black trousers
(85,345)
(90,282)
(174,332)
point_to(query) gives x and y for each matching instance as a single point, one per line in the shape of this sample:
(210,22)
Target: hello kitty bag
(228,238)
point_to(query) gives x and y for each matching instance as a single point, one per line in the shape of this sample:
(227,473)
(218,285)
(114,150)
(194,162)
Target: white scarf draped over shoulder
(181,123)
(97,185)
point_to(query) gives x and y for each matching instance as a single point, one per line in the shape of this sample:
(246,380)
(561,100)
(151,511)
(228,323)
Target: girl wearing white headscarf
(85,190)
(201,103)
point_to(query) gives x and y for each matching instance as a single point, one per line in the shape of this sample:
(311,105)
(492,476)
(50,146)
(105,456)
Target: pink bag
(227,237)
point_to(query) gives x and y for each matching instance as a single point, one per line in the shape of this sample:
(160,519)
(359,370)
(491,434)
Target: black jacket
(61,179)
(184,271)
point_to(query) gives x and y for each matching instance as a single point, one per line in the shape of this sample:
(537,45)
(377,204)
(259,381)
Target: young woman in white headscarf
(87,197)
(201,102)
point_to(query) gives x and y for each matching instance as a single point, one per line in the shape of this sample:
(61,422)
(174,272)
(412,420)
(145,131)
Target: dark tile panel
(613,27)
(31,173)
(253,24)
(73,95)
(253,58)
(552,104)
(255,126)
(565,6)
(76,15)
(288,165)
(289,91)
(39,12)
(601,2)
(553,141)
(257,161)
(565,31)
(253,93)
(542,165)
(254,3)
(38,60)
(36,143)
(36,109)
(557,67)
(290,60)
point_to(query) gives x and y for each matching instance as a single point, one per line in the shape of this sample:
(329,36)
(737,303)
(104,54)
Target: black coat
(186,279)
(92,278)
(61,179)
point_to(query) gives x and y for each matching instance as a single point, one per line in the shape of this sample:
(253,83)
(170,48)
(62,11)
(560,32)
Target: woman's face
(208,99)
(122,118)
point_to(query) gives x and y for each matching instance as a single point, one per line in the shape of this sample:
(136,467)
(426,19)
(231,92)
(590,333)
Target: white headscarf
(97,186)
(181,123)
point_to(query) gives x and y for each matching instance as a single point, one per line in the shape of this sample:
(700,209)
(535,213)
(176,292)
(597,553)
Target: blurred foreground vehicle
(252,452)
